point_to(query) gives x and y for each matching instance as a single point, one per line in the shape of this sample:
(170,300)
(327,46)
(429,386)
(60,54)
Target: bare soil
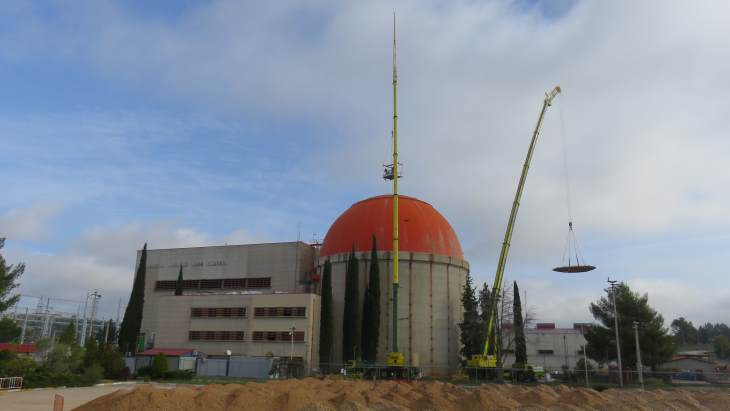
(311,394)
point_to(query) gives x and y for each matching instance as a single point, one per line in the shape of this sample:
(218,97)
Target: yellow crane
(485,360)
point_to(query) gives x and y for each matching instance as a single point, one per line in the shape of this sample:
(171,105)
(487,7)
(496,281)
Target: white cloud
(28,223)
(103,258)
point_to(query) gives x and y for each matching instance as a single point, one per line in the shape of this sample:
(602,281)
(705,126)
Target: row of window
(208,312)
(232,312)
(279,312)
(216,336)
(222,283)
(258,336)
(278,336)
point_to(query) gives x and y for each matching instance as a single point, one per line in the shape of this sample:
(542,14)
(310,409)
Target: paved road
(42,400)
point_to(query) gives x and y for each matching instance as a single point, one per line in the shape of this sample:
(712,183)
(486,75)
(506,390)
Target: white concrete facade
(551,348)
(284,269)
(429,307)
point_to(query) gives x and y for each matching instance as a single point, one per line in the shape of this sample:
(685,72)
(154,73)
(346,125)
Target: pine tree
(470,326)
(519,327)
(133,313)
(68,336)
(325,321)
(351,321)
(371,310)
(9,275)
(179,283)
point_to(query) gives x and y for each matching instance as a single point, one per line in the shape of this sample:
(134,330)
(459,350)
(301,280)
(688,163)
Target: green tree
(351,320)
(470,326)
(159,365)
(519,327)
(9,330)
(325,322)
(111,361)
(179,283)
(371,310)
(132,321)
(68,336)
(656,344)
(9,275)
(65,358)
(721,344)
(485,298)
(684,332)
(92,352)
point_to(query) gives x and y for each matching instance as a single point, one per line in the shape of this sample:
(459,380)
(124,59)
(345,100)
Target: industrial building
(553,347)
(263,299)
(249,300)
(432,275)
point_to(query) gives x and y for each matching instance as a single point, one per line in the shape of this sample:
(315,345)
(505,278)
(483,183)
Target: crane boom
(511,225)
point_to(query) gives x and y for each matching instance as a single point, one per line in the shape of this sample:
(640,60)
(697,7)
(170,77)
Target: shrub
(178,375)
(159,365)
(92,374)
(47,377)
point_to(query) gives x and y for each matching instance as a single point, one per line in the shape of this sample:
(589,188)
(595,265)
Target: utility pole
(639,365)
(615,321)
(82,337)
(25,325)
(94,305)
(585,364)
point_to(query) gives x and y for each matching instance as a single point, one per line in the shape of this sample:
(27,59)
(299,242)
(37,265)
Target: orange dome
(422,229)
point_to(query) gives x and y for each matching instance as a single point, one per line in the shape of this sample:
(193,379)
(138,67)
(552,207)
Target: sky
(187,123)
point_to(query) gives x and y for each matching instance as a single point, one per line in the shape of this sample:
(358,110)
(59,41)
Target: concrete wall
(168,324)
(565,344)
(429,306)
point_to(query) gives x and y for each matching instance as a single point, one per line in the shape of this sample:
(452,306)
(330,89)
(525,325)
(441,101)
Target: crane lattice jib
(511,223)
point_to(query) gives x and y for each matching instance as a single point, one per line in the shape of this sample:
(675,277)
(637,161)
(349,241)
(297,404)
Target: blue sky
(189,123)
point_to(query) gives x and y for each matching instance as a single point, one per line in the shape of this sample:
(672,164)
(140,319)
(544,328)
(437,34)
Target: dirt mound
(311,394)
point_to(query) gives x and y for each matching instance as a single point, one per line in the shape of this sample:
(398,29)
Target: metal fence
(11,383)
(599,379)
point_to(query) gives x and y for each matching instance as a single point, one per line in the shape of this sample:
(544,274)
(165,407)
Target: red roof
(421,227)
(170,352)
(19,348)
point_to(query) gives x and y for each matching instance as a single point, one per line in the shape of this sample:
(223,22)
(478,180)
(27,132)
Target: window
(262,282)
(227,312)
(549,352)
(277,336)
(280,312)
(216,284)
(215,335)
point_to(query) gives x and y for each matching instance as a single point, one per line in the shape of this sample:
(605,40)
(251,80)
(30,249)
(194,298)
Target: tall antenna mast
(395,358)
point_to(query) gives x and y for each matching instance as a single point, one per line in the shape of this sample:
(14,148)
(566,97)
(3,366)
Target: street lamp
(291,333)
(228,361)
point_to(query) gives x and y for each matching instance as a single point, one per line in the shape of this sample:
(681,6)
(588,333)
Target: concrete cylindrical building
(432,275)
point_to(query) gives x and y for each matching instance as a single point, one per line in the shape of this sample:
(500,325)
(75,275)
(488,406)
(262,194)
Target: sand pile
(311,394)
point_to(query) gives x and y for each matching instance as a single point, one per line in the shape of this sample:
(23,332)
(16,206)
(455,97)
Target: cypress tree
(325,320)
(179,283)
(132,321)
(351,321)
(469,327)
(371,310)
(519,327)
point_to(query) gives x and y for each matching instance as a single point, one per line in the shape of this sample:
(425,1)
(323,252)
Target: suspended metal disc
(574,268)
(572,259)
